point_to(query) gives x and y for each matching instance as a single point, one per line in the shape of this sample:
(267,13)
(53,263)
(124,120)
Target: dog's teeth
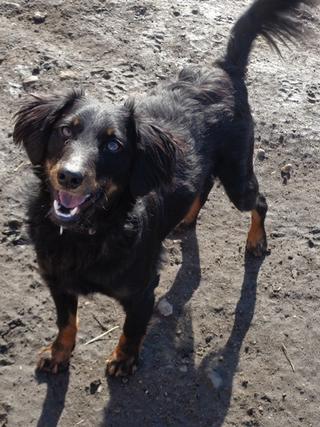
(61,230)
(56,205)
(74,211)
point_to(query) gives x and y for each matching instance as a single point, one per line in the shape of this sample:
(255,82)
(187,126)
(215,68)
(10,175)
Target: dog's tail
(275,20)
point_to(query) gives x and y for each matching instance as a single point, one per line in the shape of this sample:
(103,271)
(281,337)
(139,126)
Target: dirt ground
(242,347)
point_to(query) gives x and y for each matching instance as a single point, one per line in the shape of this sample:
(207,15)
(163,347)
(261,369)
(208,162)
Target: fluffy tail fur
(275,20)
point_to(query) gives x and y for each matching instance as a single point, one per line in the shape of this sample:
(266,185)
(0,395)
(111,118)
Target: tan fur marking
(67,335)
(193,212)
(76,121)
(110,131)
(111,188)
(124,357)
(59,352)
(256,241)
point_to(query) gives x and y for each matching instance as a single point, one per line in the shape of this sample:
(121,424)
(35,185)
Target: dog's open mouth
(67,206)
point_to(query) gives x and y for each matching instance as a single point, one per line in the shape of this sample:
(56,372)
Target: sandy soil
(222,357)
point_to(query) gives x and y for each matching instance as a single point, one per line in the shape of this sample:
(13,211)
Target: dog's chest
(85,264)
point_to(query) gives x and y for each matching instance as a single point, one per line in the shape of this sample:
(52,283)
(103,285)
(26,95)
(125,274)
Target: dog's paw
(54,359)
(121,365)
(257,246)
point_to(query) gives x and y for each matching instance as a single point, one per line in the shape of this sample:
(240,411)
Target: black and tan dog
(114,180)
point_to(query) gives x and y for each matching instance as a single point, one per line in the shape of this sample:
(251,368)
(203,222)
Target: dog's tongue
(69,200)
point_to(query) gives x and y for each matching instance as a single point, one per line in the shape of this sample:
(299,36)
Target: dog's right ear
(34,121)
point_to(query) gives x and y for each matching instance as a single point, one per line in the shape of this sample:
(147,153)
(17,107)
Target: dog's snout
(70,179)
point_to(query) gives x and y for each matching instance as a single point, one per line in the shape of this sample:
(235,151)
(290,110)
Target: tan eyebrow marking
(110,131)
(76,121)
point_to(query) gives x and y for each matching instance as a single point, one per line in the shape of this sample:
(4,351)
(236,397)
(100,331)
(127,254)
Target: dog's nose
(69,179)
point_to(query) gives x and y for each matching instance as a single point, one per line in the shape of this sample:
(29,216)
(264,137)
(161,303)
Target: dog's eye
(114,146)
(66,132)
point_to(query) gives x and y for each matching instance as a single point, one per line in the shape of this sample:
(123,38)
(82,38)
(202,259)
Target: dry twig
(101,335)
(99,323)
(285,352)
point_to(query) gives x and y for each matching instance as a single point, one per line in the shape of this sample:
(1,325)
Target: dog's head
(91,153)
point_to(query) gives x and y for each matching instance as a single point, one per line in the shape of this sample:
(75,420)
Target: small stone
(261,154)
(310,243)
(94,386)
(165,308)
(266,398)
(39,17)
(68,74)
(286,172)
(30,80)
(286,169)
(208,338)
(250,412)
(216,379)
(183,369)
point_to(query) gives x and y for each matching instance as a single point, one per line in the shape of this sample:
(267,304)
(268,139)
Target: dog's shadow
(53,405)
(169,390)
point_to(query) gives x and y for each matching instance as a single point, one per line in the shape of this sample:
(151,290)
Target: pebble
(216,379)
(286,169)
(250,412)
(310,243)
(261,154)
(30,80)
(183,369)
(165,308)
(39,17)
(95,387)
(68,74)
(286,172)
(208,338)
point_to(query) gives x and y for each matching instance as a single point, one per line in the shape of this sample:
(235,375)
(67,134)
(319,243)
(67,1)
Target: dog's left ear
(34,121)
(155,156)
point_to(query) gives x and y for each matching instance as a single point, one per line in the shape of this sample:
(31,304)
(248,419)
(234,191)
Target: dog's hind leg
(191,218)
(56,356)
(244,194)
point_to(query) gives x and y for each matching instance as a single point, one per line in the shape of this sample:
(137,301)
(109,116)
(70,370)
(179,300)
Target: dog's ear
(155,156)
(34,120)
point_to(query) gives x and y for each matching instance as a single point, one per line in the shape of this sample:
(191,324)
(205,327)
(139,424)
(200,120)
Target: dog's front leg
(124,359)
(55,357)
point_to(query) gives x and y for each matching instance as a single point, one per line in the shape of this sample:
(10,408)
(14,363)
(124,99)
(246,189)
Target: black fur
(174,142)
